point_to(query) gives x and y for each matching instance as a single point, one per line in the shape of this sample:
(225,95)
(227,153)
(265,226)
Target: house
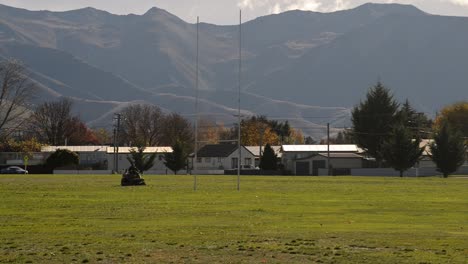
(426,160)
(124,153)
(223,157)
(92,156)
(313,159)
(256,150)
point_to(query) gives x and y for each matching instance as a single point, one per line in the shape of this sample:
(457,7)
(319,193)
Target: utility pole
(239,103)
(328,149)
(117,118)
(196,111)
(115,144)
(262,132)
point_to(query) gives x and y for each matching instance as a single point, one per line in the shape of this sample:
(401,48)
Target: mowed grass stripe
(77,218)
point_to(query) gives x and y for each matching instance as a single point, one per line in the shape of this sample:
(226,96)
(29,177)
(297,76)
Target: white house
(223,157)
(313,159)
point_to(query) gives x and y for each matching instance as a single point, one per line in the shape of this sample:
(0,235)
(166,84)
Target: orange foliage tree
(456,115)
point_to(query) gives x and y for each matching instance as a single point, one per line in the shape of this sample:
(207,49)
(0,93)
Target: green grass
(66,219)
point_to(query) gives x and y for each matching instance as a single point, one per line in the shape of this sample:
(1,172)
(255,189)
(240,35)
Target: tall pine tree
(401,150)
(448,149)
(374,119)
(176,160)
(269,160)
(141,160)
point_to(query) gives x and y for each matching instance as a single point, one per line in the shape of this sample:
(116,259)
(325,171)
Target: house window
(248,161)
(234,163)
(207,160)
(199,160)
(220,160)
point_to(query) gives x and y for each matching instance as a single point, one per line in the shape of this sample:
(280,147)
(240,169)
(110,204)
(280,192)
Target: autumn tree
(258,131)
(80,134)
(448,150)
(103,136)
(142,124)
(15,94)
(295,137)
(209,132)
(26,146)
(456,115)
(374,119)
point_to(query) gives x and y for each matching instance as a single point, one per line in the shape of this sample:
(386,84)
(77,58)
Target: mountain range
(307,67)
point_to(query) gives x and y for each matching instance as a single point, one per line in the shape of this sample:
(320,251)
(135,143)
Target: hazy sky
(225,11)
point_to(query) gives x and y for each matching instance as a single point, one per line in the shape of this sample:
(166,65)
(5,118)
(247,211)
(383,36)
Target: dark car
(13,170)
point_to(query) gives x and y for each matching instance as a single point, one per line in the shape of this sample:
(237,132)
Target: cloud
(460,2)
(277,6)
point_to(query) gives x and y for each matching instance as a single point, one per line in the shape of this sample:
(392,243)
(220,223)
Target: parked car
(13,170)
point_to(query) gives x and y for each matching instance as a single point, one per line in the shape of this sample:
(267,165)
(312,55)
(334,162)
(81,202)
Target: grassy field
(81,219)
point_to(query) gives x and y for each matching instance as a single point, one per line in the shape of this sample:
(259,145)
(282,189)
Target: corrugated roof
(342,155)
(255,150)
(220,150)
(320,148)
(126,150)
(75,148)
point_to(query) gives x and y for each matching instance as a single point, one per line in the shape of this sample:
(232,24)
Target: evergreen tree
(373,119)
(448,149)
(61,158)
(140,160)
(269,160)
(401,151)
(418,122)
(176,160)
(309,141)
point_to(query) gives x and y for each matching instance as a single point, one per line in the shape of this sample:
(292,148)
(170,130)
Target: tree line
(389,131)
(392,133)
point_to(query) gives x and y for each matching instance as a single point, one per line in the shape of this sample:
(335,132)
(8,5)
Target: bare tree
(51,121)
(177,129)
(142,125)
(16,92)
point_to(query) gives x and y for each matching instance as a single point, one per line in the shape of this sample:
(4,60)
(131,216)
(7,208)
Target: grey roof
(342,155)
(220,150)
